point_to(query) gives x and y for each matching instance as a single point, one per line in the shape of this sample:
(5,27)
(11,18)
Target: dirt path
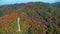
(19,24)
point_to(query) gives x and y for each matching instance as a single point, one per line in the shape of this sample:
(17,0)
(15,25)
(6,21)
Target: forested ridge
(36,18)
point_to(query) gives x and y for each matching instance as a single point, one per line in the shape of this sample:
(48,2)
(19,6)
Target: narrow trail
(19,24)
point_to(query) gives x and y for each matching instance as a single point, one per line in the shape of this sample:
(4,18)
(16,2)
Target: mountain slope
(57,4)
(36,18)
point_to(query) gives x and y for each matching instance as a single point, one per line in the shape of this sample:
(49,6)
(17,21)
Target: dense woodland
(36,18)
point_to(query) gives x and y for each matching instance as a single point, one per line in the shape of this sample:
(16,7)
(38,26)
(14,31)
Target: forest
(35,18)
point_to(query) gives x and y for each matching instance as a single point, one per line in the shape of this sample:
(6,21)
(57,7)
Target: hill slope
(35,18)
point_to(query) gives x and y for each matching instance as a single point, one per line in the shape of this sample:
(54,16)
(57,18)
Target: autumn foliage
(36,18)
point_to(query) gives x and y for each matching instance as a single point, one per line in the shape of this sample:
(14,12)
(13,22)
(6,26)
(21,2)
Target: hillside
(35,18)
